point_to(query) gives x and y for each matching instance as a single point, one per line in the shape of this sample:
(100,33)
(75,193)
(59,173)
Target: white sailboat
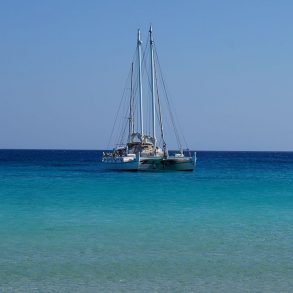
(143,151)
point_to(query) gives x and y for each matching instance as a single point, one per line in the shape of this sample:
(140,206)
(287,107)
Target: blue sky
(228,66)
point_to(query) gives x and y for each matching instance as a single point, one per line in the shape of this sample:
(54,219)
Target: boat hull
(167,164)
(120,165)
(151,164)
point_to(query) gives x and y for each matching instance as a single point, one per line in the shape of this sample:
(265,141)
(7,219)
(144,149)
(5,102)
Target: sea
(67,225)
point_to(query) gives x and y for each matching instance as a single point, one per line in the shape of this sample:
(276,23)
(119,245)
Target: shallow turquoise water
(66,225)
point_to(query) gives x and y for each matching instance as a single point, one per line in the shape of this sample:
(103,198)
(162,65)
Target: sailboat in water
(142,149)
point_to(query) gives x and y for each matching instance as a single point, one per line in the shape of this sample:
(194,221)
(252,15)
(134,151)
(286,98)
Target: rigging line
(121,125)
(178,121)
(123,134)
(120,133)
(124,121)
(135,93)
(176,115)
(159,110)
(168,102)
(131,104)
(131,110)
(116,117)
(145,53)
(117,113)
(171,114)
(135,100)
(148,77)
(135,107)
(145,72)
(160,119)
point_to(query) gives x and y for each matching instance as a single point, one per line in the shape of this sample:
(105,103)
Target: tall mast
(139,42)
(132,101)
(153,86)
(131,120)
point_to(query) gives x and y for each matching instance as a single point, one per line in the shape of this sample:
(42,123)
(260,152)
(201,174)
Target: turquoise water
(68,226)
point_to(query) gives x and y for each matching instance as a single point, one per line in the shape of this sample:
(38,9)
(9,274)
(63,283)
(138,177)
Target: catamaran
(141,149)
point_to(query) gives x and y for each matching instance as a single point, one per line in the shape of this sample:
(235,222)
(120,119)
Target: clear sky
(228,66)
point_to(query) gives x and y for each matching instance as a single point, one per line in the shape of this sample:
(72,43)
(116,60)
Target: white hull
(152,164)
(168,164)
(121,163)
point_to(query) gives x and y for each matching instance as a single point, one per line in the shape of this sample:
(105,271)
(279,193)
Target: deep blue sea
(68,226)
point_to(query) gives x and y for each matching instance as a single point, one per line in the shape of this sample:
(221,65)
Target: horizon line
(77,149)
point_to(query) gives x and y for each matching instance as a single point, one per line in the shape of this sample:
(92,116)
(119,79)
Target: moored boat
(142,149)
